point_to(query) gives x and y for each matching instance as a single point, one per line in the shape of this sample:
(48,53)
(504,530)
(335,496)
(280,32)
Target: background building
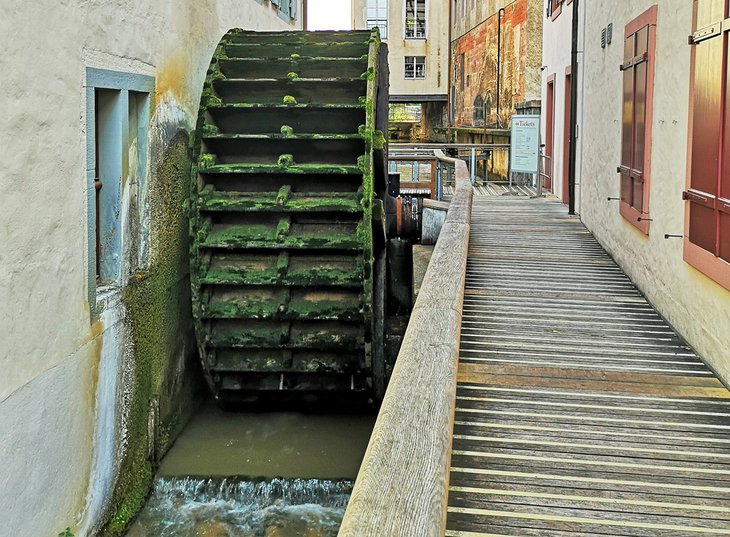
(495,61)
(653,157)
(417,33)
(93,353)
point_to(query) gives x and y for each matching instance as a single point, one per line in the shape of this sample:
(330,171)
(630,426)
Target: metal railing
(545,173)
(491,159)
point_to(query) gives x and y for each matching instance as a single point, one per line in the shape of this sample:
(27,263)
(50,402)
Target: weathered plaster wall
(58,429)
(697,307)
(474,56)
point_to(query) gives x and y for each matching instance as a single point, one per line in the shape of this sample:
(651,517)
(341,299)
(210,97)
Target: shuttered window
(707,243)
(638,82)
(554,7)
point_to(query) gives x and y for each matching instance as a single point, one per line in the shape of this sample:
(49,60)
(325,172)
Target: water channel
(279,474)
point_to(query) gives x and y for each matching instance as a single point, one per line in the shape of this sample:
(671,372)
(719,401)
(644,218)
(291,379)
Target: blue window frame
(117,124)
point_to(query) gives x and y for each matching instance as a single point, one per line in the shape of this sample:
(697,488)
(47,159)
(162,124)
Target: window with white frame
(377,16)
(415,67)
(415,19)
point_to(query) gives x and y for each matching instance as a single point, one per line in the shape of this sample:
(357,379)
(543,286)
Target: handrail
(402,487)
(406,146)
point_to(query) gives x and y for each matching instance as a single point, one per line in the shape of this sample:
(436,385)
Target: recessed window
(287,9)
(117,125)
(462,70)
(415,67)
(478,114)
(554,7)
(376,15)
(415,19)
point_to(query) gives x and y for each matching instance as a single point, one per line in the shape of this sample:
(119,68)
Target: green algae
(210,130)
(211,200)
(282,264)
(288,99)
(378,140)
(276,168)
(368,75)
(159,320)
(285,161)
(282,196)
(287,131)
(206,160)
(282,229)
(292,75)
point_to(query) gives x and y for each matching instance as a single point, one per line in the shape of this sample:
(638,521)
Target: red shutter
(635,67)
(640,79)
(627,115)
(723,203)
(709,193)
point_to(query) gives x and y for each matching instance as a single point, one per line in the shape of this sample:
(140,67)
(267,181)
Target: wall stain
(172,78)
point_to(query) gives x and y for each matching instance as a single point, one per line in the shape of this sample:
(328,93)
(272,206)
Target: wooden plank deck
(579,411)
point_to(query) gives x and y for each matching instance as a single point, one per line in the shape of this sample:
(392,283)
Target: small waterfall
(228,507)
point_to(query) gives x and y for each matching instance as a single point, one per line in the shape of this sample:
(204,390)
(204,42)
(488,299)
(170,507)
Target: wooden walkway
(579,411)
(498,189)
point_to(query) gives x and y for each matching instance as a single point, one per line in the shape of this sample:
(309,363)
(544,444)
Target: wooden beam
(402,487)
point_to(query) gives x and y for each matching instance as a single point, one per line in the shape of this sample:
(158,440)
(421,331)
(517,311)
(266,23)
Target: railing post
(439,180)
(540,166)
(473,164)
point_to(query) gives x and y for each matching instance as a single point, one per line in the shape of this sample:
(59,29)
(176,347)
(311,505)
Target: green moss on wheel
(285,161)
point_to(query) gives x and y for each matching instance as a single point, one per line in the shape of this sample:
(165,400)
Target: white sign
(525,144)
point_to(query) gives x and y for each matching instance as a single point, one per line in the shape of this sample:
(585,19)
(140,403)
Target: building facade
(95,321)
(556,97)
(495,60)
(417,34)
(653,151)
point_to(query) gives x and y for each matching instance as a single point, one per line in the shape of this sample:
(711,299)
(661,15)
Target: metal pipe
(573,110)
(499,56)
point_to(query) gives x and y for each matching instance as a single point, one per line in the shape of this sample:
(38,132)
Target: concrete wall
(80,380)
(474,59)
(696,306)
(435,47)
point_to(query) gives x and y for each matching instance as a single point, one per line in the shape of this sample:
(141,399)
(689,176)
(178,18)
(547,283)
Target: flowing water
(299,467)
(222,507)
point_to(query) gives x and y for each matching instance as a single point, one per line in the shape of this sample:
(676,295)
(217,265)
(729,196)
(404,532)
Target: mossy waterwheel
(287,253)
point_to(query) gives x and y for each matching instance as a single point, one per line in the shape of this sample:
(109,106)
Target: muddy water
(256,475)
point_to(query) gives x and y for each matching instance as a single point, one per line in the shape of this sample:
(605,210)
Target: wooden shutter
(633,139)
(637,68)
(709,182)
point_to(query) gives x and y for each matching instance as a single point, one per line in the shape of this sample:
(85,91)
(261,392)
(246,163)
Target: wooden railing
(402,487)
